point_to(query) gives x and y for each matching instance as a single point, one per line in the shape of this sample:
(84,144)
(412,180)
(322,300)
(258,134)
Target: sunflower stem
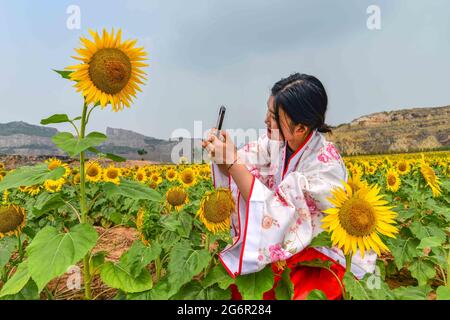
(19,247)
(448,270)
(348,267)
(83,205)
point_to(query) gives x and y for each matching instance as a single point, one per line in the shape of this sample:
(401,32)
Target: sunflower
(215,210)
(54,185)
(76,178)
(177,197)
(5,197)
(392,180)
(2,166)
(54,163)
(93,171)
(111,69)
(431,178)
(371,170)
(140,175)
(111,174)
(33,190)
(12,220)
(356,183)
(403,167)
(140,219)
(357,218)
(171,175)
(187,177)
(156,178)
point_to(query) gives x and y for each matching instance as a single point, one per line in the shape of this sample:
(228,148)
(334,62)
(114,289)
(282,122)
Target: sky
(204,54)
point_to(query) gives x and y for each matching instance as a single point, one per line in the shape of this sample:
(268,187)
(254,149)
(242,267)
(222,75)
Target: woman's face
(272,127)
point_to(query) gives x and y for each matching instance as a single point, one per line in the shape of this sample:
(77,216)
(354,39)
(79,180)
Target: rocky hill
(26,140)
(395,131)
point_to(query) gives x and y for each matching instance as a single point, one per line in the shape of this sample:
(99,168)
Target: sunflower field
(57,218)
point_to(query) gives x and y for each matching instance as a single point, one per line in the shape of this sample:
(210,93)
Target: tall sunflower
(430,177)
(12,220)
(110,72)
(392,180)
(357,218)
(215,210)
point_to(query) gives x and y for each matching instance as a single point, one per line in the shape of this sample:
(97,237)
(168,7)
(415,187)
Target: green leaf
(422,231)
(28,292)
(56,118)
(138,257)
(285,287)
(316,263)
(110,156)
(403,250)
(355,288)
(115,276)
(412,293)
(185,225)
(443,293)
(74,146)
(29,176)
(321,240)
(7,247)
(252,286)
(185,263)
(422,270)
(45,202)
(134,190)
(63,73)
(195,291)
(218,276)
(51,253)
(429,242)
(17,281)
(316,295)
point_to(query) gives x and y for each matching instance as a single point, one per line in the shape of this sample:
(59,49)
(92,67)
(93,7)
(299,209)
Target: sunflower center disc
(357,217)
(112,174)
(217,208)
(10,219)
(188,177)
(92,172)
(392,180)
(110,70)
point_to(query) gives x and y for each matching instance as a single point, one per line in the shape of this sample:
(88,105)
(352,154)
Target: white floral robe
(284,210)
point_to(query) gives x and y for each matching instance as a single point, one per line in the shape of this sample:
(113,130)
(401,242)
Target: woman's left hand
(221,152)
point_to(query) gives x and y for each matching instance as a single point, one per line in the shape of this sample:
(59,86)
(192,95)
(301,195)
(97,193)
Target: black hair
(304,99)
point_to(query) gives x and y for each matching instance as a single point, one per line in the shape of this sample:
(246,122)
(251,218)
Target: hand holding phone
(220,120)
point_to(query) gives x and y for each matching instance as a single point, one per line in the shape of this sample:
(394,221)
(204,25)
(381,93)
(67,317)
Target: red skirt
(305,279)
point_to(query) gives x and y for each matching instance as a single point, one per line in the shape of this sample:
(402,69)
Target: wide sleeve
(255,155)
(275,225)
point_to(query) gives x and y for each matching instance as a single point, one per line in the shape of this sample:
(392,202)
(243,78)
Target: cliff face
(395,131)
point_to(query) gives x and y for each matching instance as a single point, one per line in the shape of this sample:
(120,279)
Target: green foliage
(51,253)
(30,175)
(74,146)
(132,189)
(252,286)
(17,281)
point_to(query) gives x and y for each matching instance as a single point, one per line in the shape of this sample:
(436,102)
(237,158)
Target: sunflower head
(431,178)
(54,163)
(112,174)
(215,210)
(140,175)
(392,180)
(12,220)
(93,171)
(110,72)
(187,177)
(171,175)
(53,186)
(403,167)
(357,218)
(177,197)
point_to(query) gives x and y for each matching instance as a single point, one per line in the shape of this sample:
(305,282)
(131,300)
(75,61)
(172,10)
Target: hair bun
(324,128)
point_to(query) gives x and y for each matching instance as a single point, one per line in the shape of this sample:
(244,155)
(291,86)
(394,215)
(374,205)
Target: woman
(280,184)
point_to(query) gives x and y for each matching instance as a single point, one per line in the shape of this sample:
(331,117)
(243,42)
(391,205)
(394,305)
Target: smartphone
(220,120)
